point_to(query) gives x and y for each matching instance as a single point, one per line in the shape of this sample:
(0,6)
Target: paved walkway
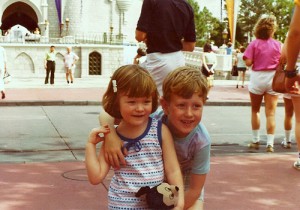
(245,181)
(89,91)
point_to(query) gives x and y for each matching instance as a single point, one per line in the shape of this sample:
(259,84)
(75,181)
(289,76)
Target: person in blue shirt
(184,95)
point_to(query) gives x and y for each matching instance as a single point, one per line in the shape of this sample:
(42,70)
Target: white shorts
(72,68)
(261,82)
(160,64)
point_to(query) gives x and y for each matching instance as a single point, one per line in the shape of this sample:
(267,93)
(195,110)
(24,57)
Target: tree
(251,10)
(207,26)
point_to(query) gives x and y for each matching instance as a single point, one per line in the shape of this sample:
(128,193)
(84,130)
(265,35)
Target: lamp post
(224,35)
(111,34)
(61,28)
(46,24)
(67,25)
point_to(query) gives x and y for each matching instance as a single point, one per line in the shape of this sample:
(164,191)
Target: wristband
(291,74)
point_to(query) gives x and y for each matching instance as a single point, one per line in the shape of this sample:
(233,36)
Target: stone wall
(27,60)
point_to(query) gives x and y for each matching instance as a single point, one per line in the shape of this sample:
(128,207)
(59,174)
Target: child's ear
(164,105)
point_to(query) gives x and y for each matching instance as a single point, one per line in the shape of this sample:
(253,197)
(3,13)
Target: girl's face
(183,114)
(135,111)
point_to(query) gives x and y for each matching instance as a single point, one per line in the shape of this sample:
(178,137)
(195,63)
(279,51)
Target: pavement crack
(59,134)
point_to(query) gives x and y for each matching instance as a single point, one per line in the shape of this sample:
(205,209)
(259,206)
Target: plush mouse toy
(160,197)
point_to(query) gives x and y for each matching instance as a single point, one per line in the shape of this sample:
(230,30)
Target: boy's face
(183,114)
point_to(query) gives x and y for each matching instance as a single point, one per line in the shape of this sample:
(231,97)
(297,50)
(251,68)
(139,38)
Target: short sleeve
(190,33)
(201,164)
(249,52)
(146,12)
(75,56)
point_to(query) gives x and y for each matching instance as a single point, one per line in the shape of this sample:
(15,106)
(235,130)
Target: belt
(50,61)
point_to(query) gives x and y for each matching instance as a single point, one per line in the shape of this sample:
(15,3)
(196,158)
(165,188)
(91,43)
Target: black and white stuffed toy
(160,197)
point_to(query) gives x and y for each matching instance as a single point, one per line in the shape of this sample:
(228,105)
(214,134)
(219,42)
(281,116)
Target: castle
(98,31)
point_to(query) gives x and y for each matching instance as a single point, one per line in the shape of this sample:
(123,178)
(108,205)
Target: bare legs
(296,103)
(241,73)
(69,74)
(270,108)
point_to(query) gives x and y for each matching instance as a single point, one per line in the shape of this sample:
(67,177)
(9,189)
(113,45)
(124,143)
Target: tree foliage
(207,26)
(251,10)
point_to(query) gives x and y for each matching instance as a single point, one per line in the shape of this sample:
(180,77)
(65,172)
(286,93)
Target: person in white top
(2,70)
(241,66)
(70,59)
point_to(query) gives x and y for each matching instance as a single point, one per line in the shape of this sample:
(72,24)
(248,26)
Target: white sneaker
(285,144)
(297,164)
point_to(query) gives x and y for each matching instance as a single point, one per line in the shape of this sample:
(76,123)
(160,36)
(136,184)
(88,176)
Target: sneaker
(254,145)
(287,145)
(68,82)
(269,148)
(297,164)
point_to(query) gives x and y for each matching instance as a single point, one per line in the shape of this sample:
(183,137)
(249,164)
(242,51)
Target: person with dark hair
(151,156)
(263,55)
(168,28)
(229,48)
(139,54)
(50,65)
(209,60)
(241,66)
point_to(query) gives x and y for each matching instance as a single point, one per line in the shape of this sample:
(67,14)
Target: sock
(270,139)
(255,134)
(287,136)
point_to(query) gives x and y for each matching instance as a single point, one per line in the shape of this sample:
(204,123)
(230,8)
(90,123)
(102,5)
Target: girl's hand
(97,134)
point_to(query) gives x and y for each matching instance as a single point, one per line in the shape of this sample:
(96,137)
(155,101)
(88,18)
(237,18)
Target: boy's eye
(197,106)
(180,105)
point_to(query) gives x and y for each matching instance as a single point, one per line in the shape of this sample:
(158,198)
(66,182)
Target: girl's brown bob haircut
(265,27)
(133,81)
(184,82)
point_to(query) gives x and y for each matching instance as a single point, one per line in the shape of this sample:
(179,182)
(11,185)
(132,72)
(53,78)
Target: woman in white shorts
(263,55)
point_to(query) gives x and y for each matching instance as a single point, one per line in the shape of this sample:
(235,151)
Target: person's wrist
(291,73)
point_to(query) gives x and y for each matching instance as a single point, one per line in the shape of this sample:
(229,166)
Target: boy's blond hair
(133,81)
(184,82)
(265,27)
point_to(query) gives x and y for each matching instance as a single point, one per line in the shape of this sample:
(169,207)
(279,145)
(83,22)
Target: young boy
(184,94)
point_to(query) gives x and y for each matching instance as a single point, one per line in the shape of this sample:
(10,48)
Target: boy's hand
(94,137)
(114,151)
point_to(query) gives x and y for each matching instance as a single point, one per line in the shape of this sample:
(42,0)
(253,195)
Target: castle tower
(73,11)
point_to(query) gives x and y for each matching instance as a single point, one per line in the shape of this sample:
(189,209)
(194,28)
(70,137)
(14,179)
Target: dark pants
(50,70)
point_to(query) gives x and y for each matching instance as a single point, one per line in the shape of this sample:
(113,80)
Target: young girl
(131,97)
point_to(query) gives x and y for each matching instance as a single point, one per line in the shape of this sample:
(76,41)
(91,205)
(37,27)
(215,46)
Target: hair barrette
(114,83)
